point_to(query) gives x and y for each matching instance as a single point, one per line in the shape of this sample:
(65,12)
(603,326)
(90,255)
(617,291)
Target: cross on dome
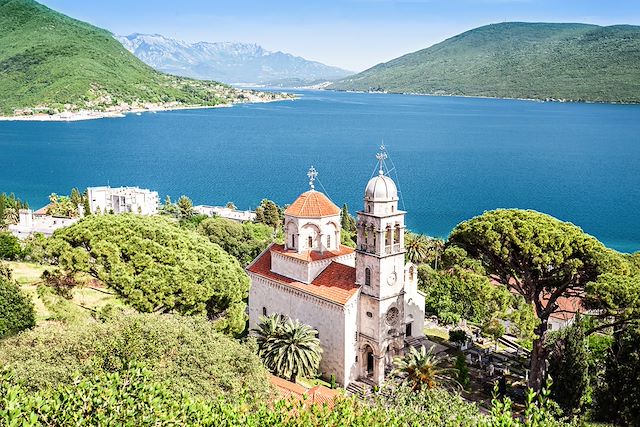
(312,174)
(382,156)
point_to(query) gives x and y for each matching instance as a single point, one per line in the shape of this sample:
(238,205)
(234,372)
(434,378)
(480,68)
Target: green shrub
(243,241)
(155,266)
(16,309)
(9,246)
(134,398)
(186,351)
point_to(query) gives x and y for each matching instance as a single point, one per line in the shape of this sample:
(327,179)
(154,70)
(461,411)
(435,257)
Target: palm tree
(288,348)
(417,247)
(436,246)
(422,368)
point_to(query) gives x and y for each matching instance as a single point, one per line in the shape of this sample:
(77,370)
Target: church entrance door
(369,363)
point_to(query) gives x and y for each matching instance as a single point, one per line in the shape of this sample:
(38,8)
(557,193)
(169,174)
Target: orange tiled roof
(336,283)
(43,210)
(312,204)
(568,307)
(318,394)
(312,255)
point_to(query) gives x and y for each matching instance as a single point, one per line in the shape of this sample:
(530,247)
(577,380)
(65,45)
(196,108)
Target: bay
(454,157)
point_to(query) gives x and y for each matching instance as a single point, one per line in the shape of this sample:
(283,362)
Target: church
(363,302)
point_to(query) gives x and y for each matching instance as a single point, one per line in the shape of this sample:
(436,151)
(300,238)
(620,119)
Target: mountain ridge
(52,64)
(229,62)
(558,61)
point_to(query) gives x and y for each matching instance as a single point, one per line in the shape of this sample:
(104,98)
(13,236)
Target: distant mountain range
(53,64)
(576,62)
(227,61)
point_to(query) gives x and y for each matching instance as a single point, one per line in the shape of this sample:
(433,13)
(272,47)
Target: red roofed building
(316,395)
(362,302)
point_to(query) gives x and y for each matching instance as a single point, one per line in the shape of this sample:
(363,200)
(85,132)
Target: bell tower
(380,270)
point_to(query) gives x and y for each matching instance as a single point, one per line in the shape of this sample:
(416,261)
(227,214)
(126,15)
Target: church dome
(381,188)
(312,204)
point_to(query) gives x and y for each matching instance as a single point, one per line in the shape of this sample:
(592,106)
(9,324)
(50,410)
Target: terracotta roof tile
(336,283)
(312,204)
(43,210)
(313,255)
(318,394)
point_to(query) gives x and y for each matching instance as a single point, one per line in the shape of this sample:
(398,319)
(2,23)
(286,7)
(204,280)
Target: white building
(225,212)
(123,200)
(364,302)
(31,222)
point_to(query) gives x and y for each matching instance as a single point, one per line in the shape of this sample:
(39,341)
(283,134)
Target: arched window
(411,273)
(368,207)
(367,276)
(328,241)
(388,236)
(264,311)
(293,241)
(310,242)
(396,236)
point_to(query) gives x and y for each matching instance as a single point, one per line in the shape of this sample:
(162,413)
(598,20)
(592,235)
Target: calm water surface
(455,157)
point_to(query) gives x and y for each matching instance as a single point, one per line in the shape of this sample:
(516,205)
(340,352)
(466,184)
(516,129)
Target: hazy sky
(353,34)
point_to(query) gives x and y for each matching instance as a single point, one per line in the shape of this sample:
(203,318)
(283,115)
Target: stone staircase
(361,388)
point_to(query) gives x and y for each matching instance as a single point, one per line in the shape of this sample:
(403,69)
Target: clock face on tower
(393,277)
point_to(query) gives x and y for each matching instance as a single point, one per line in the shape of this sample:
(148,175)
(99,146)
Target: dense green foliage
(518,60)
(421,368)
(244,241)
(10,209)
(16,309)
(536,256)
(56,63)
(9,246)
(133,398)
(187,352)
(155,266)
(569,368)
(288,348)
(618,398)
(67,206)
(460,293)
(270,214)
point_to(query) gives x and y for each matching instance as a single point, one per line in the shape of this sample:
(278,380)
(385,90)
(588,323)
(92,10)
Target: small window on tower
(310,242)
(328,241)
(293,241)
(367,276)
(264,311)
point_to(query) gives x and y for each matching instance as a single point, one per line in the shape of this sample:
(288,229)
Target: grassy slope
(48,59)
(50,306)
(519,60)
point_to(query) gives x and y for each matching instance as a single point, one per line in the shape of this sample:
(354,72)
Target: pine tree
(186,207)
(569,368)
(347,221)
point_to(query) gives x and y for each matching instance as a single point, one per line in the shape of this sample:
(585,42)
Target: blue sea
(454,157)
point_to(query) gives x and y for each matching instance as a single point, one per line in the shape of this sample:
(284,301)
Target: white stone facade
(31,223)
(123,200)
(225,212)
(364,303)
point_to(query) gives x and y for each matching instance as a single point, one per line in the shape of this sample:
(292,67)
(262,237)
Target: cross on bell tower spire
(381,156)
(312,174)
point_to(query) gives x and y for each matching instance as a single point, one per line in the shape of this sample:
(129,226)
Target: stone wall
(336,324)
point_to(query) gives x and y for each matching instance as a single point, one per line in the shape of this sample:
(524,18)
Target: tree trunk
(539,358)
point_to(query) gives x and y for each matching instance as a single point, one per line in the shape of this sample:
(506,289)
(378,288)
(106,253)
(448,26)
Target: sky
(351,34)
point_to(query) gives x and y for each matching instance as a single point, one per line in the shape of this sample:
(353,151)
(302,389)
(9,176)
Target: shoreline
(551,100)
(83,115)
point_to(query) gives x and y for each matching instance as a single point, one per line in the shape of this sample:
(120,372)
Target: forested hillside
(577,62)
(50,62)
